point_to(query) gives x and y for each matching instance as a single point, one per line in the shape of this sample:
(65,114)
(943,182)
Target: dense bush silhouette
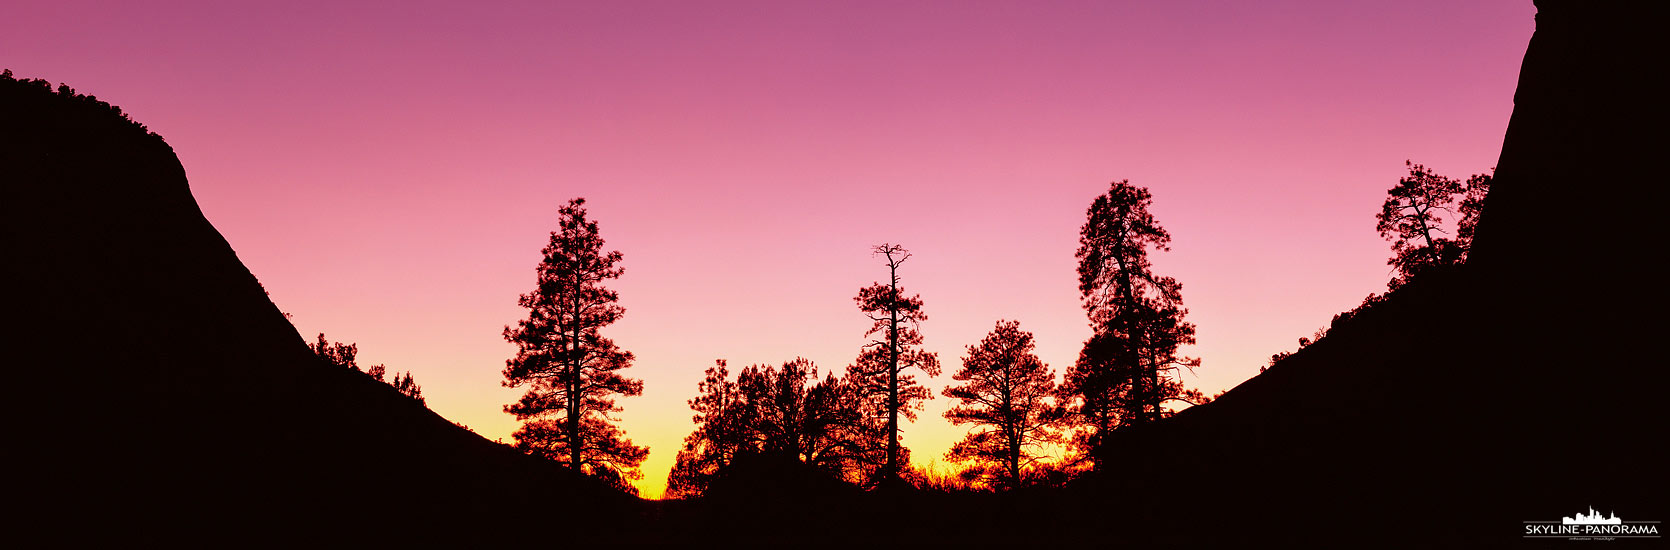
(781,414)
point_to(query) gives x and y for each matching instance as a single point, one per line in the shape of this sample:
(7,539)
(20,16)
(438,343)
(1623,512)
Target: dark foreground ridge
(161,395)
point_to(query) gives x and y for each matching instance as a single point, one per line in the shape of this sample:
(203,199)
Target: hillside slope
(157,388)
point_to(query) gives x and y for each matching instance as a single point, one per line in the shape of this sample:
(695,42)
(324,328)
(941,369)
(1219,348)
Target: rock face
(1587,124)
(155,389)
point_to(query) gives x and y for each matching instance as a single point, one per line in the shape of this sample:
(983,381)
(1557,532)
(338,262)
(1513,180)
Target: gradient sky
(391,170)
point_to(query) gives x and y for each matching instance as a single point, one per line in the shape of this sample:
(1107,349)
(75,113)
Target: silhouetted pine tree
(1005,393)
(880,371)
(1409,217)
(1122,374)
(572,372)
(408,387)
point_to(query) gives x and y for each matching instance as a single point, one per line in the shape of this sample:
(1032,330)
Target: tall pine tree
(1123,375)
(570,370)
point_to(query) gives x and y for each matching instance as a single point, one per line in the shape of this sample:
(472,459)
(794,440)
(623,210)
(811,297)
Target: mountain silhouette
(160,393)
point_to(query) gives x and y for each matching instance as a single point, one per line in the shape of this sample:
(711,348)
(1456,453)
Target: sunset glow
(391,173)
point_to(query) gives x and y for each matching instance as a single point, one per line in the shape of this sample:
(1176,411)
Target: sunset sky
(390,171)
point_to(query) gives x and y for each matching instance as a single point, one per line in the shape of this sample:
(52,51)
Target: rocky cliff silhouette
(160,394)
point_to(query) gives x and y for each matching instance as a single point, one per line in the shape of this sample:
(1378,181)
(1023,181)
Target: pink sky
(390,171)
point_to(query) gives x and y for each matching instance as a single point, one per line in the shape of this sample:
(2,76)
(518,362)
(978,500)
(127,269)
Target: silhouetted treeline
(343,355)
(848,427)
(88,103)
(780,414)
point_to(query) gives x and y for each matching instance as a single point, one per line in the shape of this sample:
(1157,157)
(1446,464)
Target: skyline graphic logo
(1593,518)
(1591,526)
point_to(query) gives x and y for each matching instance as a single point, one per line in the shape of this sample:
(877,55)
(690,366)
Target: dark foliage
(336,354)
(1471,205)
(784,414)
(795,415)
(722,420)
(408,387)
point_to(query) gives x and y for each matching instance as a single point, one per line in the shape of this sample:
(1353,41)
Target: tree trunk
(573,392)
(1127,297)
(1153,371)
(1011,429)
(1426,231)
(893,375)
(1014,453)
